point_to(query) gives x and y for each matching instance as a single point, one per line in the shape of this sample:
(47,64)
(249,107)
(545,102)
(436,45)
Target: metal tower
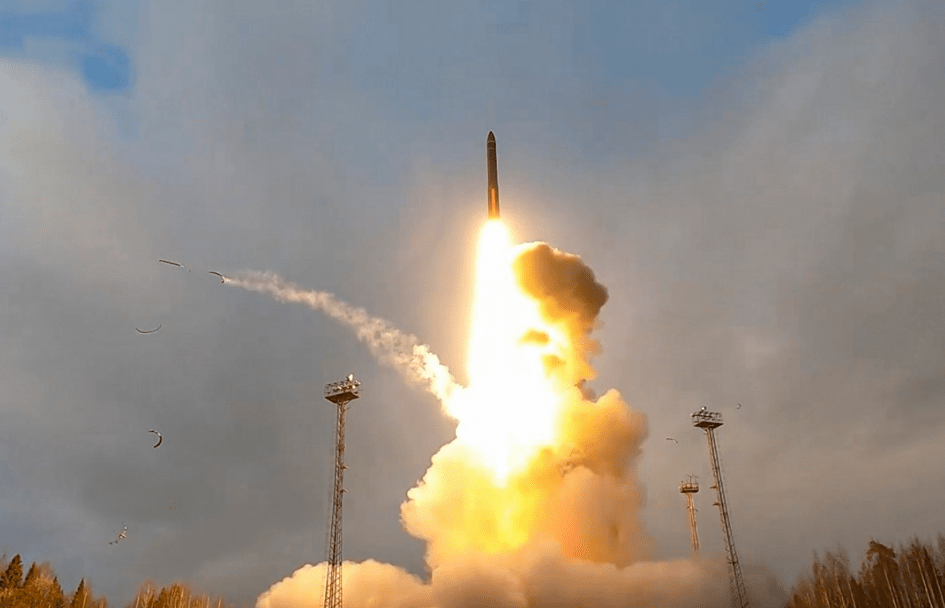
(341,394)
(709,421)
(689,488)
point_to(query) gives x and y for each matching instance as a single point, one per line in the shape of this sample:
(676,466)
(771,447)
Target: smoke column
(535,503)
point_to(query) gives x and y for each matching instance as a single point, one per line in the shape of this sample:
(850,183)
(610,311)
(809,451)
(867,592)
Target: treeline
(40,589)
(912,577)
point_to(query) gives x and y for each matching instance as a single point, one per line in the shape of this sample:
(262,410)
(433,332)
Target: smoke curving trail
(392,347)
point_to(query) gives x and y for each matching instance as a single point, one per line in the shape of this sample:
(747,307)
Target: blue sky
(758,187)
(105,66)
(678,46)
(662,55)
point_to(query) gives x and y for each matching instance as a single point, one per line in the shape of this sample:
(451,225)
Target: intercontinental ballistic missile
(492,194)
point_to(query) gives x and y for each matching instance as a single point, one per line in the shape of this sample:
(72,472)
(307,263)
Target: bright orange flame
(509,409)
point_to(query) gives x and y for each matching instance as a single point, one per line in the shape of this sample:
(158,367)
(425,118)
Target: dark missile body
(492,194)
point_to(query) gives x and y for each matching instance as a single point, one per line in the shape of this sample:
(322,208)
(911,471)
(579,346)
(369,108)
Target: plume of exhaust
(397,349)
(579,491)
(562,531)
(569,299)
(536,577)
(368,583)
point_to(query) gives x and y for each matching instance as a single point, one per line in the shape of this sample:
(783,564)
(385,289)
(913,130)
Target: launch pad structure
(688,488)
(709,421)
(341,394)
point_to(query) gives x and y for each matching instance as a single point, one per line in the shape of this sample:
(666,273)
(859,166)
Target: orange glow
(509,409)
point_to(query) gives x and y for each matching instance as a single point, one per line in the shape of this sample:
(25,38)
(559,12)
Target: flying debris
(122,535)
(222,278)
(739,406)
(149,331)
(492,191)
(350,377)
(160,439)
(671,439)
(171,263)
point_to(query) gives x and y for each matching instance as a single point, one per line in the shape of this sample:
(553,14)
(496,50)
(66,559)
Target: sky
(757,185)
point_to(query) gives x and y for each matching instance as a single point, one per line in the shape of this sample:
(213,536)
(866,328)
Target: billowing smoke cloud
(569,297)
(537,576)
(402,351)
(562,284)
(368,583)
(581,493)
(563,531)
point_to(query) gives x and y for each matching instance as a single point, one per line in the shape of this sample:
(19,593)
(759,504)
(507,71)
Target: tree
(835,574)
(162,600)
(99,602)
(881,571)
(80,599)
(54,596)
(144,596)
(940,553)
(32,591)
(820,584)
(32,577)
(13,576)
(802,595)
(861,597)
(924,572)
(180,594)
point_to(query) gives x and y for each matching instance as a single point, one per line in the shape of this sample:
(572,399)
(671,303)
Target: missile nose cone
(491,137)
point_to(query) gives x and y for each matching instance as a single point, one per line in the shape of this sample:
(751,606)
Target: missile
(492,193)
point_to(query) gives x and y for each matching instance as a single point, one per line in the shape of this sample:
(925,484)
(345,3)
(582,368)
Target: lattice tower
(688,488)
(709,421)
(341,394)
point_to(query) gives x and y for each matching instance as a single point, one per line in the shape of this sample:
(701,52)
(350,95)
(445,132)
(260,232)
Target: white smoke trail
(392,347)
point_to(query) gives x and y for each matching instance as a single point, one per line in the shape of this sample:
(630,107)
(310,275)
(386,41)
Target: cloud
(787,258)
(784,254)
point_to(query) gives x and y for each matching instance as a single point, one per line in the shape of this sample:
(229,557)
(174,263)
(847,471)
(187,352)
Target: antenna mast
(341,394)
(709,421)
(688,488)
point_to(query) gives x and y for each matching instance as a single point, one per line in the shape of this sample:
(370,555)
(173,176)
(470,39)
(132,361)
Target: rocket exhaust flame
(509,409)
